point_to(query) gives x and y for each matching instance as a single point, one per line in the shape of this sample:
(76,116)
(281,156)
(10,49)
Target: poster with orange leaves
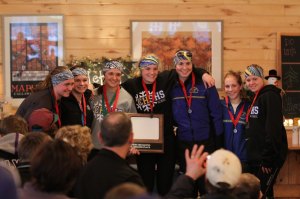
(165,38)
(165,46)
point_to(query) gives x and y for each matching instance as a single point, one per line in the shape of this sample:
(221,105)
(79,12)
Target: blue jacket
(206,117)
(235,142)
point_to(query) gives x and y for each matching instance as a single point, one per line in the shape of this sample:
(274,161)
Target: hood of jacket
(9,142)
(268,88)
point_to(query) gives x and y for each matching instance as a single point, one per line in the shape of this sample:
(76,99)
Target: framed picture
(149,139)
(164,38)
(33,46)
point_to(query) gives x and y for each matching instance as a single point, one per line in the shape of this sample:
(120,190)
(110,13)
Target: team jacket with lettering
(164,83)
(267,141)
(206,117)
(162,103)
(235,141)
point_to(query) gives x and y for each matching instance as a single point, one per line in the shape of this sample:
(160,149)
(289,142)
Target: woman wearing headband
(47,94)
(110,97)
(266,135)
(76,108)
(151,95)
(197,113)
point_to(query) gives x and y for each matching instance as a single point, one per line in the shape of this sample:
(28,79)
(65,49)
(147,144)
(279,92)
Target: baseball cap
(42,119)
(223,167)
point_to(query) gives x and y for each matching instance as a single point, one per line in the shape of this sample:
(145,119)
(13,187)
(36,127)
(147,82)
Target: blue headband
(62,76)
(148,60)
(79,71)
(113,64)
(255,70)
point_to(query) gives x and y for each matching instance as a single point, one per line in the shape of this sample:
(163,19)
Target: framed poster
(33,46)
(148,132)
(165,38)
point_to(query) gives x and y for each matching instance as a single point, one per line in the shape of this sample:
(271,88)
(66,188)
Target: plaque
(147,132)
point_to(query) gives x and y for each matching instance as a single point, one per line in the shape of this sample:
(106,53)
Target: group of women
(186,97)
(253,128)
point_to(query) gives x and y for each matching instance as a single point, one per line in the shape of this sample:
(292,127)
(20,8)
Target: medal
(188,99)
(234,121)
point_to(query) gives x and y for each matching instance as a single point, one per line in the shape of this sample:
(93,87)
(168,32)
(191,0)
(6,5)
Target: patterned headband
(182,55)
(255,70)
(60,77)
(79,71)
(113,64)
(148,60)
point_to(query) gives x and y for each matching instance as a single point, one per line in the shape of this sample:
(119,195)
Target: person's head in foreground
(248,187)
(54,167)
(116,130)
(79,137)
(223,171)
(125,191)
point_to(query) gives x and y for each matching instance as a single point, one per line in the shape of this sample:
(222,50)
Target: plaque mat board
(148,132)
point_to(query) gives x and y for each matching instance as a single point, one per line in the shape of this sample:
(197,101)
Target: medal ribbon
(83,109)
(188,99)
(236,120)
(147,94)
(115,101)
(56,108)
(249,110)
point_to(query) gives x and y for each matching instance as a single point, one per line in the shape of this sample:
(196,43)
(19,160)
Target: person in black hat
(272,77)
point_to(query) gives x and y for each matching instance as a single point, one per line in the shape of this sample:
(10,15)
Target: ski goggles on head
(182,55)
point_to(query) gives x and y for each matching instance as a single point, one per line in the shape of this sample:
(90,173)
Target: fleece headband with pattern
(62,76)
(182,55)
(113,64)
(79,71)
(148,60)
(255,70)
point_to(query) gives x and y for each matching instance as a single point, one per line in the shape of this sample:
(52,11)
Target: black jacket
(71,113)
(105,171)
(267,141)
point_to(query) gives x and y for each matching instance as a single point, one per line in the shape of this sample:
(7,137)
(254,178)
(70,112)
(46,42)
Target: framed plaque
(148,132)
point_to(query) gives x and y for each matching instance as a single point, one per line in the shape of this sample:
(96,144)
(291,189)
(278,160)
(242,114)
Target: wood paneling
(99,28)
(103,2)
(162,9)
(98,53)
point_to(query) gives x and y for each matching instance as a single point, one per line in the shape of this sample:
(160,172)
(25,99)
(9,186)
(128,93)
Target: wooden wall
(99,28)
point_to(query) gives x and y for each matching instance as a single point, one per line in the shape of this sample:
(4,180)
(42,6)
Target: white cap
(223,167)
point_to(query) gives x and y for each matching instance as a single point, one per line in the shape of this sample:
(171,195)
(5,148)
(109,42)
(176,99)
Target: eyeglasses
(184,53)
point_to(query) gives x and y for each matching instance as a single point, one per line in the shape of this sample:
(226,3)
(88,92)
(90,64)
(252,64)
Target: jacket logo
(194,90)
(254,111)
